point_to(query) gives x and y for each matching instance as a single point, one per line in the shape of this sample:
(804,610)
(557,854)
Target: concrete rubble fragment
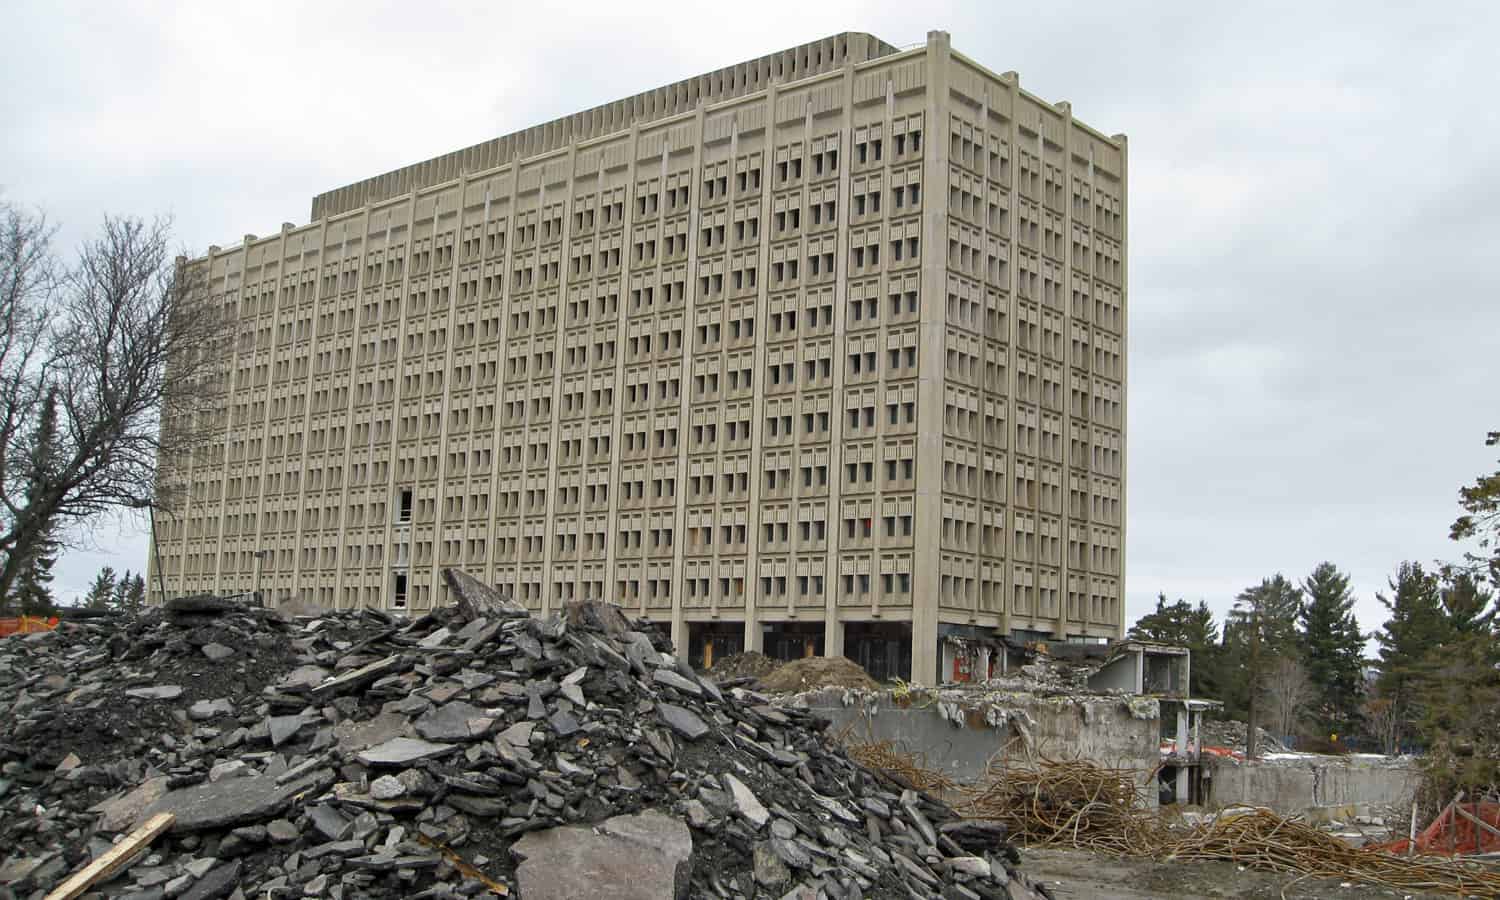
(640,857)
(355,754)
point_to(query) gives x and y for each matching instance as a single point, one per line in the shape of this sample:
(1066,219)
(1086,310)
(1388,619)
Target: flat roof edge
(804,60)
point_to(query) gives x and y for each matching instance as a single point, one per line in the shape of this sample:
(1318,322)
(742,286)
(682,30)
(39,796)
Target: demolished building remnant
(1142,667)
(474,749)
(963,728)
(1315,784)
(1047,700)
(1083,805)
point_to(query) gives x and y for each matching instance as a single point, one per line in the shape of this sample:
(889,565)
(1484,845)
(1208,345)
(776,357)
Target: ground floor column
(833,636)
(924,646)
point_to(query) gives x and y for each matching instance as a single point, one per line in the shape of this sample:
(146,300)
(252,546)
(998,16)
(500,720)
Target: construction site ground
(1082,875)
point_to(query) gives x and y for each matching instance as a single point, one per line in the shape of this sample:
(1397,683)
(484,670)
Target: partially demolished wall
(958,731)
(1291,784)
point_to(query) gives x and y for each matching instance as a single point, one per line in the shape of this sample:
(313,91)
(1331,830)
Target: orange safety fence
(1461,828)
(26,625)
(1169,745)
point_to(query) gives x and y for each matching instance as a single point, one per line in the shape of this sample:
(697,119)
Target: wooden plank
(115,859)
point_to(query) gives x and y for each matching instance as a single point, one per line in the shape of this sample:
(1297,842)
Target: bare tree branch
(126,341)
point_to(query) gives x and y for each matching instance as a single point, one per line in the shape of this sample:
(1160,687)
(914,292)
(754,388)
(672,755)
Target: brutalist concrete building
(822,352)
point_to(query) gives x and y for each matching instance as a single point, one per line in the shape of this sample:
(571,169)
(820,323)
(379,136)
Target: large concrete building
(820,352)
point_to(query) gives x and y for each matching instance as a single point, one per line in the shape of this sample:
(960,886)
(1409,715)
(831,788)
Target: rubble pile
(1045,677)
(1231,733)
(816,672)
(472,750)
(750,664)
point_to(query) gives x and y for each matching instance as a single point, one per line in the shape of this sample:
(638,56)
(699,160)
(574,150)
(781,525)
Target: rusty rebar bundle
(909,769)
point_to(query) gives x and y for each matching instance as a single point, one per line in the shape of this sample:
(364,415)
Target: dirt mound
(818,672)
(743,665)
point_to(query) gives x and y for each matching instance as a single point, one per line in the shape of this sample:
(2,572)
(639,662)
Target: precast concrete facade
(832,337)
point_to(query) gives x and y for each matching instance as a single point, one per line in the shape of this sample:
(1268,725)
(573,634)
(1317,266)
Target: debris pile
(749,664)
(817,672)
(1231,734)
(474,749)
(1044,676)
(1080,804)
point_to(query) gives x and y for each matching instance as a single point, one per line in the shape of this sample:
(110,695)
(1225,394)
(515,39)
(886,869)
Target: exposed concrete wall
(1296,786)
(960,738)
(1119,674)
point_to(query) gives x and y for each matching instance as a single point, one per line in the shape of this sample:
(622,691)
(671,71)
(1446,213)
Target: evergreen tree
(1459,695)
(121,589)
(1481,519)
(1459,688)
(135,597)
(1192,627)
(129,595)
(1263,625)
(102,591)
(33,587)
(31,590)
(1466,602)
(1417,624)
(1332,648)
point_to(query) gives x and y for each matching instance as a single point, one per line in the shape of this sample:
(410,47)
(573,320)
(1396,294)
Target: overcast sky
(1314,209)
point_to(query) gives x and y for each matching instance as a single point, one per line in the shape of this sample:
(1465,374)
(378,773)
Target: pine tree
(1263,623)
(122,588)
(1481,519)
(31,590)
(135,597)
(1466,602)
(129,594)
(33,587)
(102,591)
(1417,625)
(1332,648)
(1459,693)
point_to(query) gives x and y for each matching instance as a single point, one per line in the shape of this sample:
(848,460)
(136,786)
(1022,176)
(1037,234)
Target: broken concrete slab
(217,652)
(673,680)
(476,599)
(121,811)
(456,721)
(746,802)
(354,736)
(387,787)
(640,857)
(360,677)
(231,802)
(156,692)
(403,752)
(683,721)
(283,728)
(204,710)
(203,604)
(598,615)
(219,882)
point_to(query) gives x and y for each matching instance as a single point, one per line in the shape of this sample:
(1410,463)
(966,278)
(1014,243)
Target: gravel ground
(1079,875)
